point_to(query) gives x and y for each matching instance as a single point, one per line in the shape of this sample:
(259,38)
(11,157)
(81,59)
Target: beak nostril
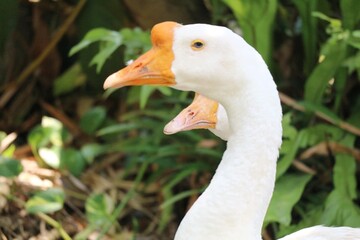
(138,65)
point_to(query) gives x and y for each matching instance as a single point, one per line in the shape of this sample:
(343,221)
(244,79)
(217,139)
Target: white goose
(219,64)
(204,113)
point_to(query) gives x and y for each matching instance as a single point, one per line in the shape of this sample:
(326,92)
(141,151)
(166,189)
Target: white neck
(235,203)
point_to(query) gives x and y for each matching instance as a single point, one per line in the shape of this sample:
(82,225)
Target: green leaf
(309,29)
(98,209)
(69,80)
(289,149)
(117,129)
(318,81)
(109,42)
(93,119)
(72,160)
(105,52)
(145,93)
(354,39)
(51,156)
(350,12)
(48,201)
(345,170)
(340,210)
(287,192)
(10,167)
(92,36)
(256,20)
(92,150)
(353,63)
(136,41)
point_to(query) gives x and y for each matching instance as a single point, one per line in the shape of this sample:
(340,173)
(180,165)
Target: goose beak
(149,69)
(153,67)
(200,114)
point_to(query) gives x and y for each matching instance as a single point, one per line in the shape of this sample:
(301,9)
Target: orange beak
(153,67)
(200,114)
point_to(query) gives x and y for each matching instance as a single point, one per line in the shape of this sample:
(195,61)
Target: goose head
(192,57)
(202,113)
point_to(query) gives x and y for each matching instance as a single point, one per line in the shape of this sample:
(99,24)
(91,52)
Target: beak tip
(171,128)
(110,81)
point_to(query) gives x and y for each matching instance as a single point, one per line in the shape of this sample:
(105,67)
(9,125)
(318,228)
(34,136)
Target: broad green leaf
(287,192)
(311,218)
(98,209)
(72,160)
(10,167)
(350,13)
(319,79)
(69,80)
(340,210)
(47,201)
(93,119)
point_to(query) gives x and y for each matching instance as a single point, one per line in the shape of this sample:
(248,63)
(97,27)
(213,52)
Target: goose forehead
(199,29)
(162,34)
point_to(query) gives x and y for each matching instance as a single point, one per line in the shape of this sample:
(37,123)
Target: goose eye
(197,44)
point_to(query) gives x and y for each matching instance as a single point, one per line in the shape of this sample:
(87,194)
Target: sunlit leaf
(287,192)
(51,156)
(47,201)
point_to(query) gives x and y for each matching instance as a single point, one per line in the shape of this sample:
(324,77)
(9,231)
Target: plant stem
(55,224)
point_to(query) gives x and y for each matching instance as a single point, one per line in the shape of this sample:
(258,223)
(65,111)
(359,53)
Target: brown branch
(11,89)
(9,139)
(302,167)
(323,149)
(341,124)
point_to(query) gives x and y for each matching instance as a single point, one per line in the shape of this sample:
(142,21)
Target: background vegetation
(77,162)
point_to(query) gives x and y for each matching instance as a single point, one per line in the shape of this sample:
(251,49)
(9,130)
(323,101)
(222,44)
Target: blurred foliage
(115,173)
